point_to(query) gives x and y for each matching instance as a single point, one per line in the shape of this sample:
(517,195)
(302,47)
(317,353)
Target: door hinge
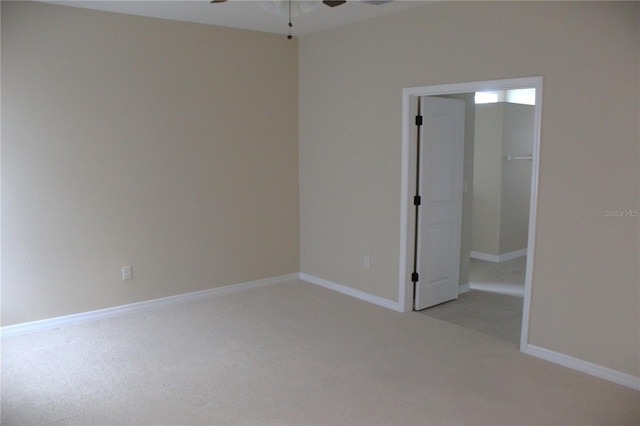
(417,200)
(414,277)
(418,120)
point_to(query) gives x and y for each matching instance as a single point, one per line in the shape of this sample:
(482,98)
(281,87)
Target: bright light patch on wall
(515,96)
(522,96)
(486,98)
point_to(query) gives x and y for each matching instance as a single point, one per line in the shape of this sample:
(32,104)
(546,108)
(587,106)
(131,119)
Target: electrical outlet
(127,273)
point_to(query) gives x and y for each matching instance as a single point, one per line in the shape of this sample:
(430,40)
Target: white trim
(405,287)
(405,297)
(483,256)
(46,324)
(475,86)
(464,288)
(592,369)
(498,258)
(358,294)
(533,216)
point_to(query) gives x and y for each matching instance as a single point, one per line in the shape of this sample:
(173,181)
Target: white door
(440,212)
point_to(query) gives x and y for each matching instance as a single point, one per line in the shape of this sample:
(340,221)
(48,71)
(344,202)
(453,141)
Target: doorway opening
(503,258)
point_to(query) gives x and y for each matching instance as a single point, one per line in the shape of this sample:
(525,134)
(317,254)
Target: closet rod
(528,157)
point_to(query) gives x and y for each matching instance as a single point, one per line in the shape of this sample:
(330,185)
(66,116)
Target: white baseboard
(464,288)
(47,324)
(499,257)
(358,294)
(596,370)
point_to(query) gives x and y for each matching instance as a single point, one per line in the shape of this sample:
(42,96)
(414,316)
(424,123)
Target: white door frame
(405,290)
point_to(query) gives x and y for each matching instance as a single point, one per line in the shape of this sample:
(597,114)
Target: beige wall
(168,146)
(501,189)
(487,179)
(518,134)
(585,299)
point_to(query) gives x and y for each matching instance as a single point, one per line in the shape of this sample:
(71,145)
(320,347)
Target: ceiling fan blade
(218,1)
(331,3)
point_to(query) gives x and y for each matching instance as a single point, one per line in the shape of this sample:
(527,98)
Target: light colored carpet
(292,353)
(496,315)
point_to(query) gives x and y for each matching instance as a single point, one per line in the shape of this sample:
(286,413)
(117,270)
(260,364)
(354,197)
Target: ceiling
(253,15)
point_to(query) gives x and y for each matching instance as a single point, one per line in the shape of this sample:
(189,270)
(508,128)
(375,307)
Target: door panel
(437,242)
(439,158)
